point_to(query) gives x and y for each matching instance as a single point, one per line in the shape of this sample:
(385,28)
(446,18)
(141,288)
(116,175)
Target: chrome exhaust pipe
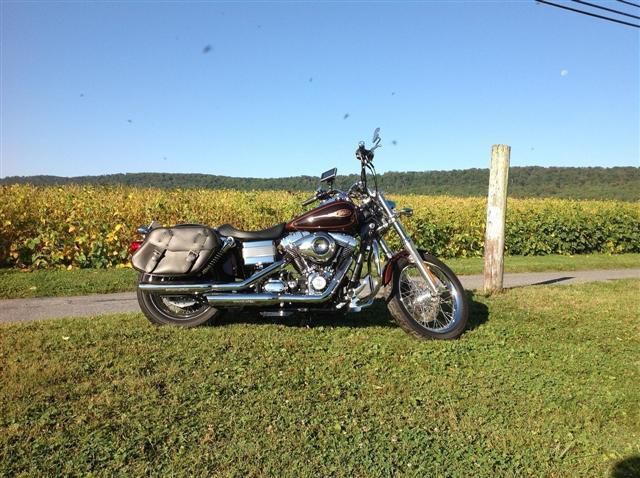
(206,287)
(218,300)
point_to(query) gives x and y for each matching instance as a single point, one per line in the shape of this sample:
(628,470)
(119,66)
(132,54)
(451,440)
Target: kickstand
(305,320)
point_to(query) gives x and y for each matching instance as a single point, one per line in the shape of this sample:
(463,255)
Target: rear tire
(158,309)
(421,329)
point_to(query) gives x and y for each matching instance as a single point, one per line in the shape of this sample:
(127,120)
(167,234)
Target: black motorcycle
(331,258)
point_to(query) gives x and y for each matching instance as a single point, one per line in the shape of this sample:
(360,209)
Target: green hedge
(92,226)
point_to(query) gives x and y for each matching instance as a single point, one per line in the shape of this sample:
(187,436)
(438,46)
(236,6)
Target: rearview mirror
(329,176)
(376,136)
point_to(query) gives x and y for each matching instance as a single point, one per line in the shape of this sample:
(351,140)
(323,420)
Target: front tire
(421,313)
(175,310)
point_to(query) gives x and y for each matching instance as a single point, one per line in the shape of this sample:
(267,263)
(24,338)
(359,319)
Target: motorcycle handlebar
(363,154)
(319,194)
(310,200)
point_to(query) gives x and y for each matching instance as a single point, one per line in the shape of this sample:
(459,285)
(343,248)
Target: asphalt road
(26,310)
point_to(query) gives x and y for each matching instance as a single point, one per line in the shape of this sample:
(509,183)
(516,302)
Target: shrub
(91,226)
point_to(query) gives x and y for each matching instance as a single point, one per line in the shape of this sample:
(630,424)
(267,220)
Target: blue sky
(97,88)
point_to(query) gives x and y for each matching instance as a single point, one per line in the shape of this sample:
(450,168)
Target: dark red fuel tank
(336,216)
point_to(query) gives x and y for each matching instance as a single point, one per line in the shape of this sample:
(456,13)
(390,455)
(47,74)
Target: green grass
(48,283)
(545,384)
(474,265)
(61,282)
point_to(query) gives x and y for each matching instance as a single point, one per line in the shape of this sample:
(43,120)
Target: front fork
(408,244)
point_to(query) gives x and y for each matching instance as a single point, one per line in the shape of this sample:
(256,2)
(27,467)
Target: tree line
(622,183)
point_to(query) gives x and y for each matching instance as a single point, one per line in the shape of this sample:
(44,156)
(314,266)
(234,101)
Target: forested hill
(531,181)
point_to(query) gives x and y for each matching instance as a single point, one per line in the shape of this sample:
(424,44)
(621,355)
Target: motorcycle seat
(265,234)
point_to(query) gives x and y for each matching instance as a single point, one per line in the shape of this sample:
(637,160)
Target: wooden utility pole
(496,216)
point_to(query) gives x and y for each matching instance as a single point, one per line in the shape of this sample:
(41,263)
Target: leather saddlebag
(176,251)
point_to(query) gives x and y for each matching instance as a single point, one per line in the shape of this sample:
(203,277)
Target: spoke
(434,313)
(448,317)
(166,305)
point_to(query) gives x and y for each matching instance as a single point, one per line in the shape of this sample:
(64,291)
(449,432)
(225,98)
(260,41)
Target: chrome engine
(315,258)
(309,271)
(316,247)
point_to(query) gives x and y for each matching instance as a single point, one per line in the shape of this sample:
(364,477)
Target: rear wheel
(419,311)
(180,310)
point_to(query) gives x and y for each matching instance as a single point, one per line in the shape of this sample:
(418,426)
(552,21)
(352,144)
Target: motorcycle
(331,258)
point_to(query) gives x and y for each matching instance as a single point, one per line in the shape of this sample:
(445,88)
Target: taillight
(134,246)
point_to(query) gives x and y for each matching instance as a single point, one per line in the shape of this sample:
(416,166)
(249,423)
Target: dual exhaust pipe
(167,288)
(228,294)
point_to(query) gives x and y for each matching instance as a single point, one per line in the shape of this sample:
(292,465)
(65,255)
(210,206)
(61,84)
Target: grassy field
(61,282)
(47,283)
(474,265)
(544,384)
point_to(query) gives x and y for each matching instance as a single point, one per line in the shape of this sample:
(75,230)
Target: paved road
(26,310)
(553,278)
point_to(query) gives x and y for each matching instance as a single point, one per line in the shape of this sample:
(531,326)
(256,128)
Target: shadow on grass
(627,468)
(376,315)
(479,313)
(550,281)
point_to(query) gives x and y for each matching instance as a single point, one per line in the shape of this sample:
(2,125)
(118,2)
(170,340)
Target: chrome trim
(385,248)
(409,246)
(357,302)
(307,247)
(345,240)
(229,242)
(206,287)
(258,252)
(302,244)
(274,286)
(275,299)
(360,297)
(290,239)
(338,196)
(376,257)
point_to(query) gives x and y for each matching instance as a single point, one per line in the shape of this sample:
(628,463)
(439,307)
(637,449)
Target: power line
(588,13)
(605,8)
(629,3)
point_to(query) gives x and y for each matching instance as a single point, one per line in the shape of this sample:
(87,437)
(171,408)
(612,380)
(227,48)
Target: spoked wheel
(181,310)
(420,311)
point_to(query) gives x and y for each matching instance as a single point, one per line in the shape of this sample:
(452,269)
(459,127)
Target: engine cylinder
(317,247)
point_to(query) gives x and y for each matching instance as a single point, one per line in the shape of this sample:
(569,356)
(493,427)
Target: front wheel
(420,312)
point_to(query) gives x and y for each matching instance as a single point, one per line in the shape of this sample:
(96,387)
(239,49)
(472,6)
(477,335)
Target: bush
(91,226)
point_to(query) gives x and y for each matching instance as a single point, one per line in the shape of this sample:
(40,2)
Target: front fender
(387,273)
